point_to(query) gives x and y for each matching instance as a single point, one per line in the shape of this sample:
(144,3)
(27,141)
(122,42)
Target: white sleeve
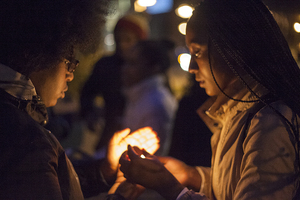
(205,180)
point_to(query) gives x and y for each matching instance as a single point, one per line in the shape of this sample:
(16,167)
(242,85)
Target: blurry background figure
(191,137)
(101,100)
(149,101)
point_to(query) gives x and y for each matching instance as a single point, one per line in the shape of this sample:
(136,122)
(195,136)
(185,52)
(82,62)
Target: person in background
(149,101)
(39,41)
(105,80)
(242,60)
(190,135)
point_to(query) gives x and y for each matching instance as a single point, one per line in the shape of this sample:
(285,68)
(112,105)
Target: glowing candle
(142,156)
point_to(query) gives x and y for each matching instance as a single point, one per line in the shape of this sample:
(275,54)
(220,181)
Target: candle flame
(142,156)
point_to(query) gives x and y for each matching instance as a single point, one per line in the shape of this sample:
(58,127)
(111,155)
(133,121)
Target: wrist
(194,179)
(170,188)
(109,174)
(172,192)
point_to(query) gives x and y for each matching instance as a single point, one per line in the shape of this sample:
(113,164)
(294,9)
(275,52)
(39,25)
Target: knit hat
(134,22)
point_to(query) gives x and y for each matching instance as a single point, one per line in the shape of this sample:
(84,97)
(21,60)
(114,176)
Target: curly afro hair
(37,34)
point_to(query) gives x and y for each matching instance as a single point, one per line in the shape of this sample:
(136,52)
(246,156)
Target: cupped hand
(144,138)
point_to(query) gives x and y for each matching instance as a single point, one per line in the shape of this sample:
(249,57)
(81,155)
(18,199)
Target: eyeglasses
(72,64)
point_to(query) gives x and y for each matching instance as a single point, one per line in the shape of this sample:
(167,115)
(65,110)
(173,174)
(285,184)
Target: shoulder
(18,130)
(274,114)
(268,154)
(269,127)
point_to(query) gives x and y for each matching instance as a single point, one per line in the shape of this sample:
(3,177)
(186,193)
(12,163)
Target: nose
(193,68)
(70,77)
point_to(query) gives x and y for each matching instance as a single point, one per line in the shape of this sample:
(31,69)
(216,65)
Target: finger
(123,133)
(145,140)
(148,133)
(141,141)
(146,153)
(152,150)
(124,165)
(113,189)
(132,141)
(164,159)
(124,161)
(137,150)
(143,134)
(150,142)
(146,128)
(132,154)
(123,155)
(140,131)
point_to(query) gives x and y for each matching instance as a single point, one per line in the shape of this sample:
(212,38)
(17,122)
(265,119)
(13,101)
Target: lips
(200,81)
(63,92)
(66,89)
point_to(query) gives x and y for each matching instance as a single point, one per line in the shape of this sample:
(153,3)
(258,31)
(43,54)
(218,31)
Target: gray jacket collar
(16,84)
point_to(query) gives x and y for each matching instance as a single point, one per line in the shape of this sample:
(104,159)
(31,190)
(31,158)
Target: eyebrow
(190,44)
(195,44)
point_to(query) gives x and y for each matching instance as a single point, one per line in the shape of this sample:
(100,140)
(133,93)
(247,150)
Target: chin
(212,92)
(209,93)
(51,104)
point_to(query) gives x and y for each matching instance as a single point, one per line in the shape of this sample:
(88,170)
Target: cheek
(224,76)
(56,84)
(218,77)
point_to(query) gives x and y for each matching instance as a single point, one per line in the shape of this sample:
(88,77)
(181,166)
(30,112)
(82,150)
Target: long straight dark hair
(245,34)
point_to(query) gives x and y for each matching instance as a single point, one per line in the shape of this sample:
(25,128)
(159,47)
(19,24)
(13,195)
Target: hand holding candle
(149,172)
(144,138)
(125,188)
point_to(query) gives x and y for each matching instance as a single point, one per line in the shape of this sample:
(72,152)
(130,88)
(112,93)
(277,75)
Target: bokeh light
(184,60)
(109,40)
(297,27)
(138,7)
(184,11)
(161,6)
(182,28)
(146,3)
